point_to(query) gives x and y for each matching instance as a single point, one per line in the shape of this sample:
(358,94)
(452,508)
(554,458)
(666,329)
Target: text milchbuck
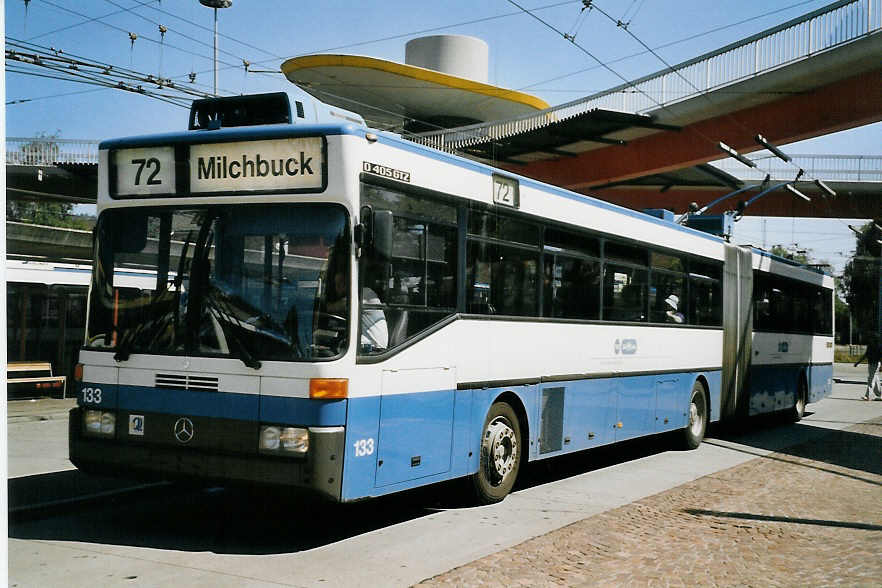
(221,167)
(278,164)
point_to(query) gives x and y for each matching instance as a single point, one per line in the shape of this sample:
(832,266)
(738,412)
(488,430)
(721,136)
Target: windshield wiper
(124,349)
(224,317)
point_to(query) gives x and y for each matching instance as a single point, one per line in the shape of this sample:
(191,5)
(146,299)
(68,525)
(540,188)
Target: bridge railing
(47,151)
(830,168)
(821,30)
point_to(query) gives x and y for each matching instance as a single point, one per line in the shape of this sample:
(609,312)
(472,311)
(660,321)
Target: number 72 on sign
(506,191)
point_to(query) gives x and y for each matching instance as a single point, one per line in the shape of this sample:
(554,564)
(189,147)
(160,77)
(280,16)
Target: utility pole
(216,4)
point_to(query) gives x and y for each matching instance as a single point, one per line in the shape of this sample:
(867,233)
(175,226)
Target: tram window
(505,228)
(624,293)
(32,322)
(502,280)
(16,297)
(667,301)
(762,303)
(570,242)
(774,306)
(705,304)
(801,307)
(705,301)
(422,268)
(76,309)
(822,312)
(791,306)
(664,261)
(705,270)
(411,205)
(572,287)
(614,251)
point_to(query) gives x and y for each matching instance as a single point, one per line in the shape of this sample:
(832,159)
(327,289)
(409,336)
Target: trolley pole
(215,4)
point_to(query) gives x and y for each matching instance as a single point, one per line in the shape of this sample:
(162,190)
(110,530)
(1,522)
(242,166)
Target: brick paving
(808,516)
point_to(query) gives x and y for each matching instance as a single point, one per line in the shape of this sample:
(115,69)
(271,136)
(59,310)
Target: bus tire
(696,425)
(795,414)
(500,456)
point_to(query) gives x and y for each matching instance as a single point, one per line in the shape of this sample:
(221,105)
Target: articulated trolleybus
(342,310)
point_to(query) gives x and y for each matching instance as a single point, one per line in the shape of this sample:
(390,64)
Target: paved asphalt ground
(771,505)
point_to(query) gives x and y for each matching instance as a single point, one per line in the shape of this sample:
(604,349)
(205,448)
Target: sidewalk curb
(35,418)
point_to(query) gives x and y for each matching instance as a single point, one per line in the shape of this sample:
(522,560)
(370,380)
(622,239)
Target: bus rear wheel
(796,413)
(500,456)
(696,426)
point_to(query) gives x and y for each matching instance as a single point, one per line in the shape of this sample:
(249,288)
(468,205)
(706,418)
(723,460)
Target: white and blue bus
(342,310)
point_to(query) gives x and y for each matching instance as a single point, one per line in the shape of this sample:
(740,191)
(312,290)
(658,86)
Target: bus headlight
(295,440)
(99,423)
(284,440)
(269,438)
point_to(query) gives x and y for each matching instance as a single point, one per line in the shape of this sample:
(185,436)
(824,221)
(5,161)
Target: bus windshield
(255,282)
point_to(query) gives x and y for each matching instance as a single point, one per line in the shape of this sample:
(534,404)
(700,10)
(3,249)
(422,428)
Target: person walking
(872,355)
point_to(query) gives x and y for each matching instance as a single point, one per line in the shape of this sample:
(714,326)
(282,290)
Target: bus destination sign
(277,164)
(144,171)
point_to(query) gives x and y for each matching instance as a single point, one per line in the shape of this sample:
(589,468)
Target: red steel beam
(845,104)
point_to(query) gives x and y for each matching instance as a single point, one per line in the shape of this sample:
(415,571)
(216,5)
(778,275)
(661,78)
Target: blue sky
(523,55)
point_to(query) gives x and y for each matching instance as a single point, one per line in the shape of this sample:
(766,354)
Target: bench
(29,379)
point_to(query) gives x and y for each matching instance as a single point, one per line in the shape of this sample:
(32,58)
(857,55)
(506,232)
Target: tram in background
(46,321)
(336,308)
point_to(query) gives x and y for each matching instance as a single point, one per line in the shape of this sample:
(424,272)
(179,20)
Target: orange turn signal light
(329,388)
(78,373)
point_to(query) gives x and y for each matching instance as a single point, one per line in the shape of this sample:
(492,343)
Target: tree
(860,279)
(43,212)
(797,256)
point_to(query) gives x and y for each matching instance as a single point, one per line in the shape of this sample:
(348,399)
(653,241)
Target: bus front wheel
(696,426)
(500,457)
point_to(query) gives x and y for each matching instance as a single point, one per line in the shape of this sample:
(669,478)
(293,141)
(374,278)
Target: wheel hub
(501,448)
(695,420)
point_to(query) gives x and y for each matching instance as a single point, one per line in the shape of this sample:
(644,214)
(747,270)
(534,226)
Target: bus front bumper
(321,471)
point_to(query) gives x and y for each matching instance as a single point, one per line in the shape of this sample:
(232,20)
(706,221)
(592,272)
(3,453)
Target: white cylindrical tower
(457,55)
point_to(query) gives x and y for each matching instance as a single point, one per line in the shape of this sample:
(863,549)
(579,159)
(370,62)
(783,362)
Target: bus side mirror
(382,233)
(364,230)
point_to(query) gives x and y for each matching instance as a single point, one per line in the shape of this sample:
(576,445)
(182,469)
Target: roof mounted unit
(661,213)
(715,224)
(242,111)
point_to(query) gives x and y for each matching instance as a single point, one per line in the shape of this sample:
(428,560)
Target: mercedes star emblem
(184,430)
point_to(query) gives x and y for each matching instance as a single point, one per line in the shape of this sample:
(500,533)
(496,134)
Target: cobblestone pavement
(809,516)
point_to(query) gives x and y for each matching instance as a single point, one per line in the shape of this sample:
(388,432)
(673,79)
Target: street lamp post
(216,4)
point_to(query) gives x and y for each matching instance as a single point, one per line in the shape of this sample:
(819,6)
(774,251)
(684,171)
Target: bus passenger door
(416,424)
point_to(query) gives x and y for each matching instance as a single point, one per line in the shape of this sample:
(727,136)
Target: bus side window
(416,287)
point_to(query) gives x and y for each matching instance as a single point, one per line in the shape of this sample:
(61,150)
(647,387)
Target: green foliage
(798,257)
(860,279)
(42,212)
(842,354)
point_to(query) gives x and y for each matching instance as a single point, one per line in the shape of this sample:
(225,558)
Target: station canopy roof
(699,176)
(552,138)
